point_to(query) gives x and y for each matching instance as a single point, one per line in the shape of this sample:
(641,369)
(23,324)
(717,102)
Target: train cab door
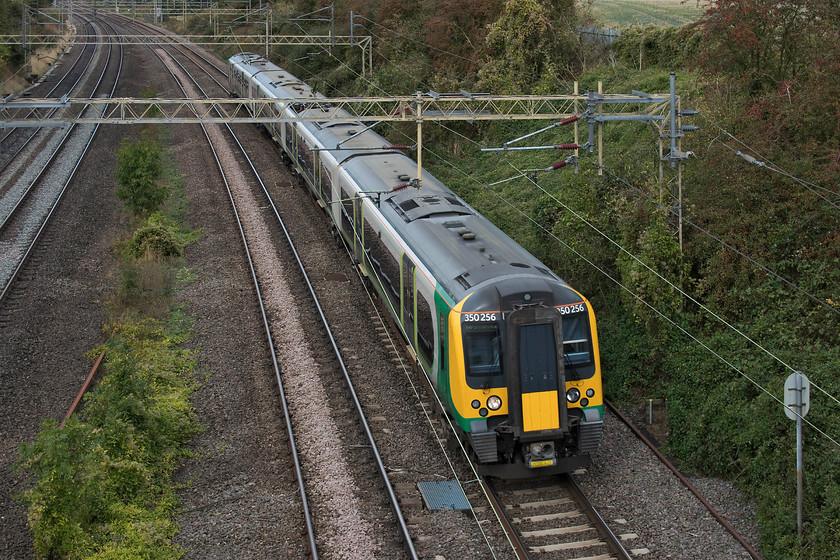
(536,379)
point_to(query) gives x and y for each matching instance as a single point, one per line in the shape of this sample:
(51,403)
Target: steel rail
(687,483)
(310,529)
(66,137)
(269,337)
(42,228)
(409,543)
(512,534)
(178,42)
(612,542)
(522,552)
(49,93)
(369,434)
(83,390)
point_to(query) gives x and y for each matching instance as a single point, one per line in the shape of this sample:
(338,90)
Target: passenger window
(290,136)
(306,157)
(425,329)
(326,184)
(408,295)
(347,213)
(384,265)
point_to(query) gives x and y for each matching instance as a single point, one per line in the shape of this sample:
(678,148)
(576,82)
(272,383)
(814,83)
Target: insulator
(570,120)
(400,187)
(750,159)
(689,113)
(571,146)
(396,147)
(558,165)
(689,128)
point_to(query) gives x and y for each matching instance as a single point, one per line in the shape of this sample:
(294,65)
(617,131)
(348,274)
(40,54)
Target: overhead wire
(481,529)
(523,174)
(428,46)
(762,161)
(662,278)
(814,298)
(651,307)
(555,79)
(767,270)
(732,248)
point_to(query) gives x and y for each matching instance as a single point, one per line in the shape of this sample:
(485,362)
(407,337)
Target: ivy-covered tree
(532,45)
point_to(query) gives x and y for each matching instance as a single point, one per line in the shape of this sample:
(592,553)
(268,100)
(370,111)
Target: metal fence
(600,36)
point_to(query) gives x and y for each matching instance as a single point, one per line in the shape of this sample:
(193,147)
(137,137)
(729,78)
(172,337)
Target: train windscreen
(483,353)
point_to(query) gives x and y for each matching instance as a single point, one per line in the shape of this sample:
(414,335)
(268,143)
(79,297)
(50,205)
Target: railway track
(62,80)
(318,511)
(38,176)
(551,518)
(720,518)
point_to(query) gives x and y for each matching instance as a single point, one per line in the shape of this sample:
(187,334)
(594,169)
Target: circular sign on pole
(792,404)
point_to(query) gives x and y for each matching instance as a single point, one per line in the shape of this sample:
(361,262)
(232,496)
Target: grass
(624,13)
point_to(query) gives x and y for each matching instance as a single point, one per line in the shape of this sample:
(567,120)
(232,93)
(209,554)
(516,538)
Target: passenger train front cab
(525,378)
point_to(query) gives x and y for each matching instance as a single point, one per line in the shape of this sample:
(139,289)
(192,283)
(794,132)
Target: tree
(766,41)
(532,45)
(139,172)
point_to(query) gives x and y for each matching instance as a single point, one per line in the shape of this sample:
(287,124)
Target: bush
(156,238)
(666,47)
(139,170)
(102,482)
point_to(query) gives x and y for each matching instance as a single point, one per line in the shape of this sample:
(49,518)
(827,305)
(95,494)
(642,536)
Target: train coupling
(541,454)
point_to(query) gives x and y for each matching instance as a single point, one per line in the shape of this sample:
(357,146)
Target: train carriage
(510,348)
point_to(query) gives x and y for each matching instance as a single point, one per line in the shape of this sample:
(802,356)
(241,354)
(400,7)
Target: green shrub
(102,482)
(654,46)
(139,170)
(156,238)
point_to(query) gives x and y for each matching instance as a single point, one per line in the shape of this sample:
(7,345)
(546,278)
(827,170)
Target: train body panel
(510,348)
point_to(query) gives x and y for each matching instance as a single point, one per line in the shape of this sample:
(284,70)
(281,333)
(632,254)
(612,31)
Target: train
(509,347)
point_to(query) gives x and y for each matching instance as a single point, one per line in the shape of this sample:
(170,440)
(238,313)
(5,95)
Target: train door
(535,351)
(326,184)
(408,298)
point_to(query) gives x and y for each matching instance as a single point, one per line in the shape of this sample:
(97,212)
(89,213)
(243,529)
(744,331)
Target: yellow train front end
(524,380)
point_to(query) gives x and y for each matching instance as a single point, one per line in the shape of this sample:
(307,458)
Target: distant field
(624,13)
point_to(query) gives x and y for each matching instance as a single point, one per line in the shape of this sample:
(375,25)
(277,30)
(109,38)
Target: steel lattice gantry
(409,108)
(362,41)
(419,108)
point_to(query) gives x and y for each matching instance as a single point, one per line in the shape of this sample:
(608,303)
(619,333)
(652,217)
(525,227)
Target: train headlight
(572,395)
(590,393)
(584,402)
(494,402)
(476,403)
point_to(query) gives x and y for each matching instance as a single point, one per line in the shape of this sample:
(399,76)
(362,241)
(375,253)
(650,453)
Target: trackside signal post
(797,404)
